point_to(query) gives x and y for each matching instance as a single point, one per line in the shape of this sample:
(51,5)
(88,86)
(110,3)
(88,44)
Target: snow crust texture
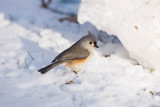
(135,22)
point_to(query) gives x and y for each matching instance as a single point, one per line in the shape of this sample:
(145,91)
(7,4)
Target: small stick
(70,82)
(17,62)
(26,63)
(30,55)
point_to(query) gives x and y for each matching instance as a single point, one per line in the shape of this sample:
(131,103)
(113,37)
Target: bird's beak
(95,45)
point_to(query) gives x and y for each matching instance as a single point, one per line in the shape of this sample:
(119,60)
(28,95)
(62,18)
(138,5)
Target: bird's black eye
(90,42)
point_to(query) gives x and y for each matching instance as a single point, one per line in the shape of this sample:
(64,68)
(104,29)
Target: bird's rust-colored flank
(76,62)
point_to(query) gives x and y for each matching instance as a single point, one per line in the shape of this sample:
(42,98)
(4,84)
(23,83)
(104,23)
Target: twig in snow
(71,18)
(151,92)
(18,62)
(26,63)
(106,56)
(2,63)
(99,34)
(30,55)
(44,4)
(154,93)
(70,82)
(151,70)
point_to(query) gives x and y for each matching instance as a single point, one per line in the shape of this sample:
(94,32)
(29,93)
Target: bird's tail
(49,67)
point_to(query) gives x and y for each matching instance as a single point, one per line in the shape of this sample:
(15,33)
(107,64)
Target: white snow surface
(135,22)
(30,38)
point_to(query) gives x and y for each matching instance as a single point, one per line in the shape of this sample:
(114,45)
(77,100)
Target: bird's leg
(74,70)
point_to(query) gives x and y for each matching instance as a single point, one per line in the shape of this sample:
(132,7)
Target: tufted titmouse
(74,56)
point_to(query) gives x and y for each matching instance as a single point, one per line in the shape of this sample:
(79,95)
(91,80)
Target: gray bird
(74,56)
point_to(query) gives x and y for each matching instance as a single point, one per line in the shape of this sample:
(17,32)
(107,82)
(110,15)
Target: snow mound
(136,23)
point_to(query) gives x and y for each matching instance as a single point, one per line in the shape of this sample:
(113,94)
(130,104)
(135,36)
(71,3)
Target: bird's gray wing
(73,53)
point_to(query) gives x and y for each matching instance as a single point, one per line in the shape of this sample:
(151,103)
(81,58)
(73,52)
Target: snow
(136,23)
(30,37)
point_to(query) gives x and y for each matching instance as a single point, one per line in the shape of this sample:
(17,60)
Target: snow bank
(135,22)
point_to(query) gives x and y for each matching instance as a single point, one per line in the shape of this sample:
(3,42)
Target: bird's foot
(75,72)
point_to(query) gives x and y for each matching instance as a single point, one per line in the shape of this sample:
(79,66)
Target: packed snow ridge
(135,22)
